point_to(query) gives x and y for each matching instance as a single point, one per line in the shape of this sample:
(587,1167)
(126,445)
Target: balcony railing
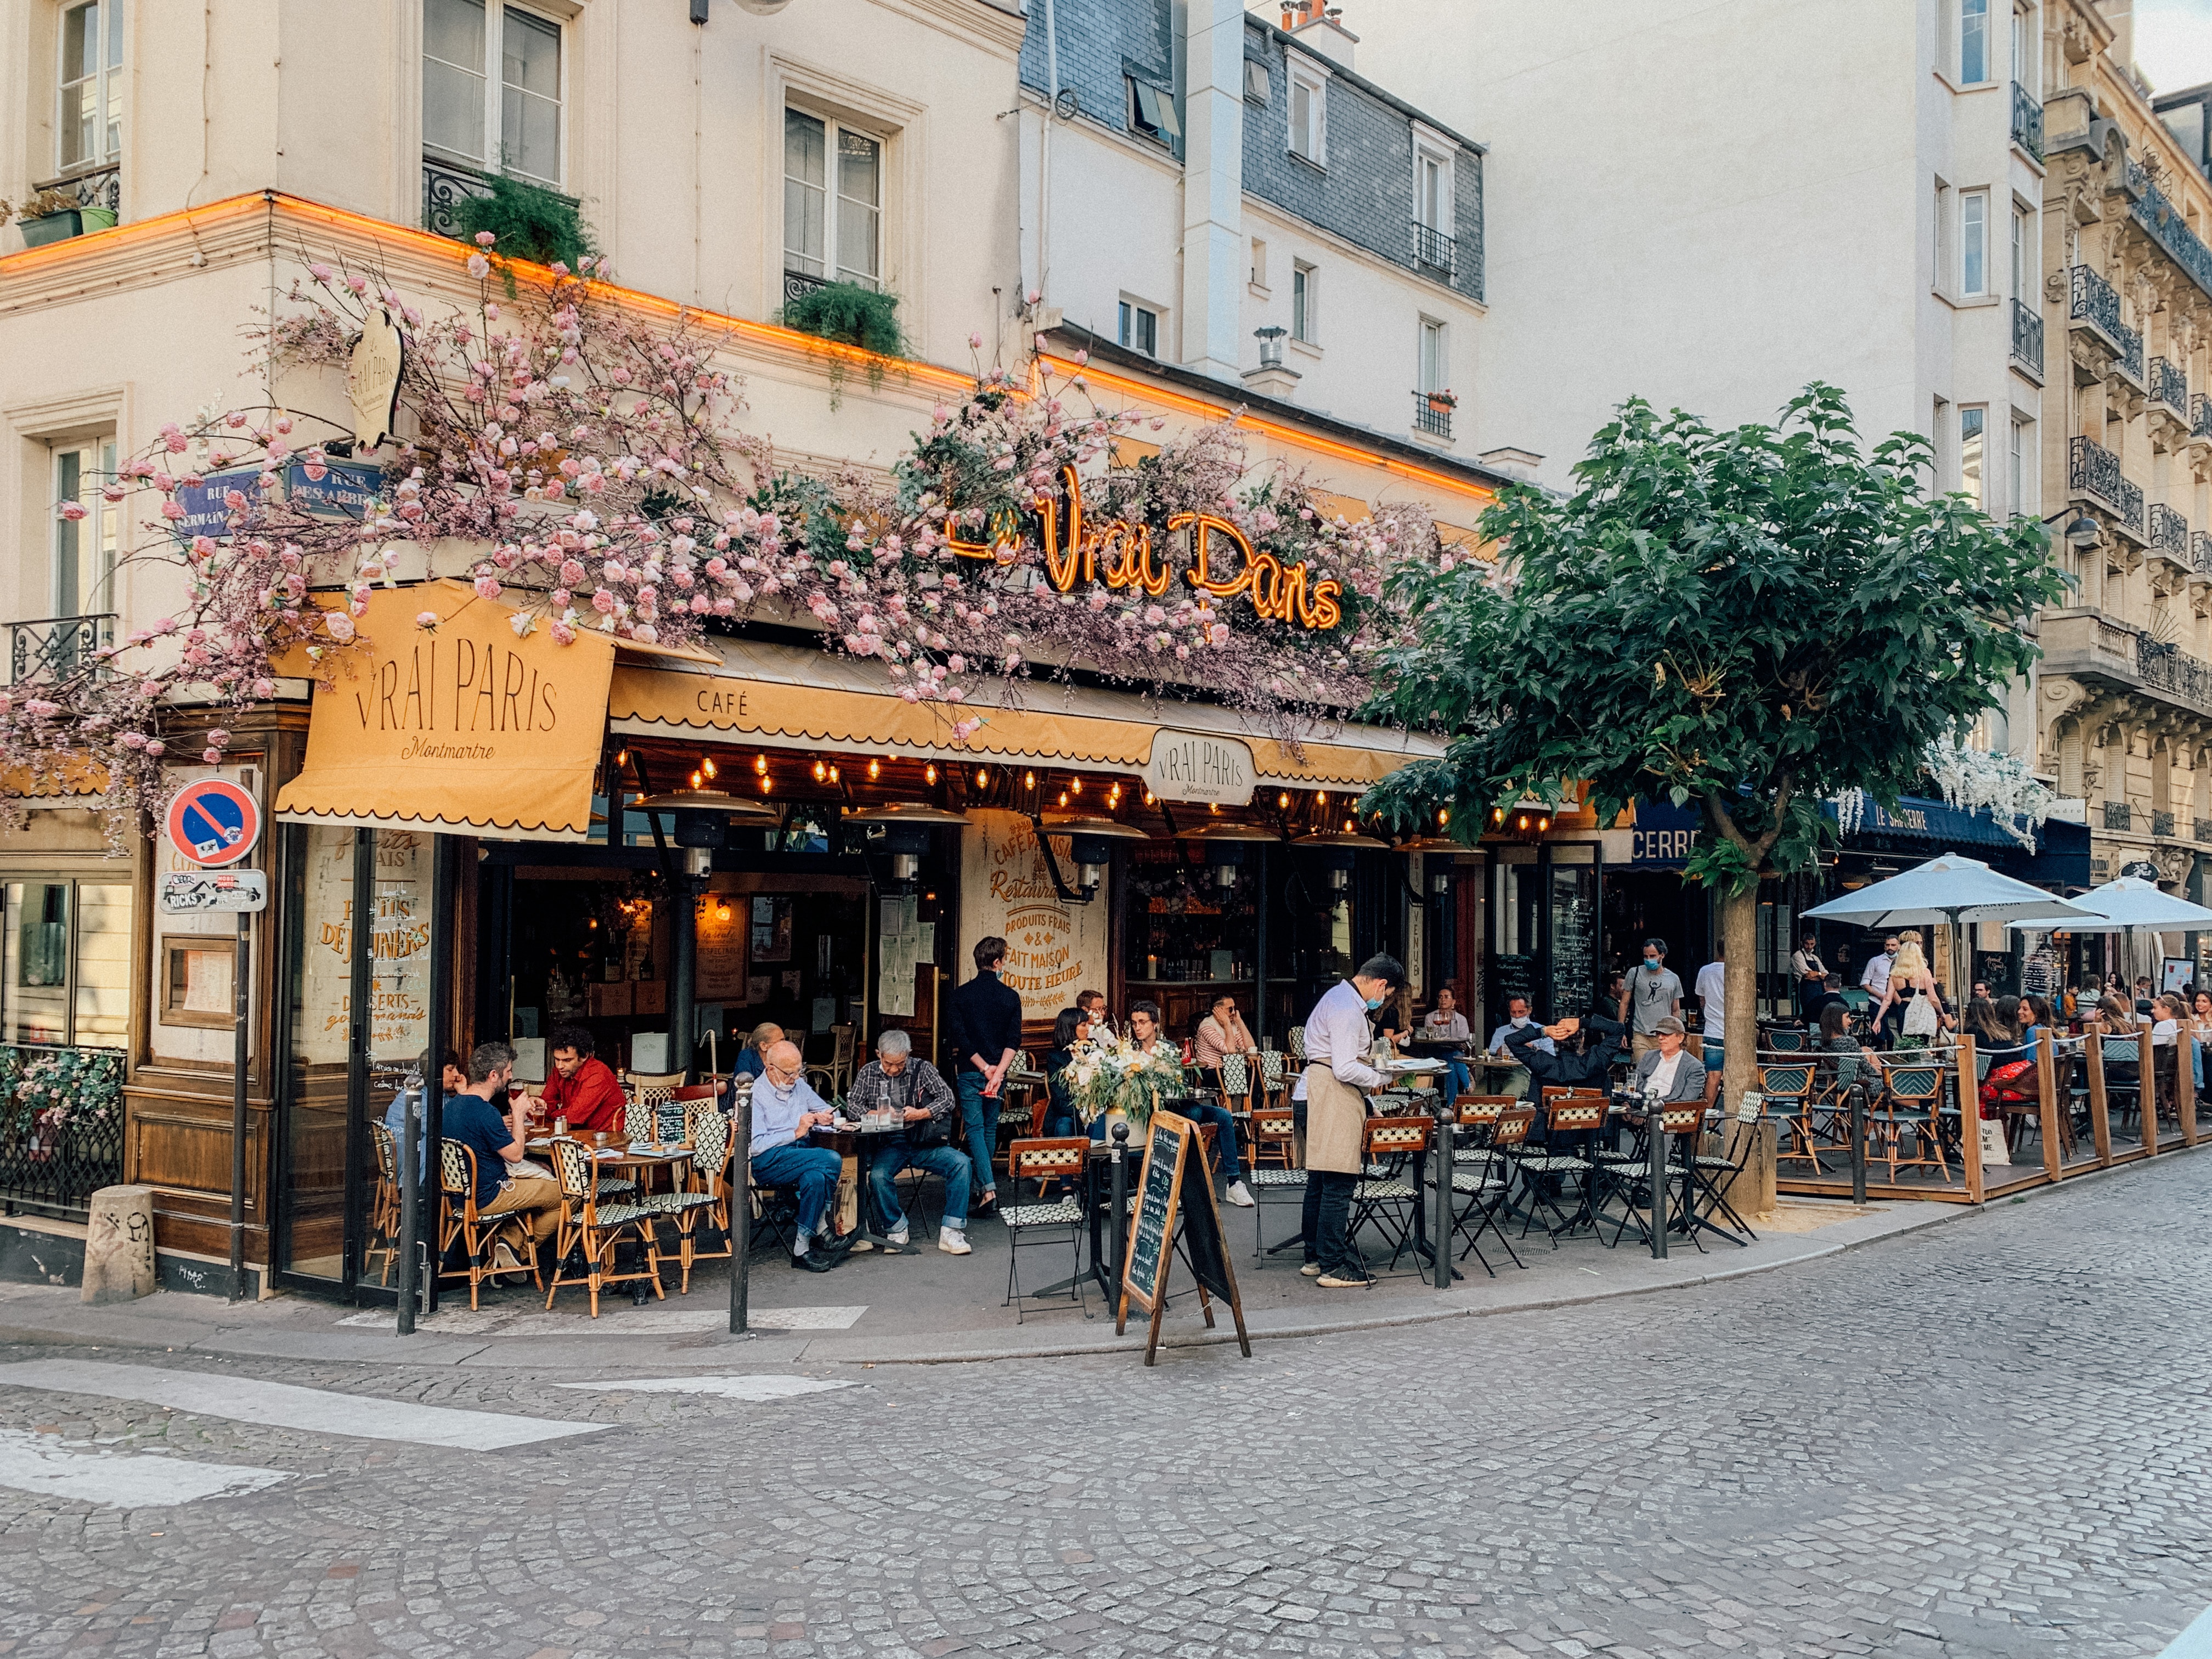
(2162,221)
(2026,120)
(2164,668)
(2093,470)
(2200,417)
(2027,337)
(2169,384)
(2162,823)
(2204,827)
(1433,418)
(797,285)
(2094,300)
(1435,250)
(2131,353)
(446,185)
(103,187)
(54,648)
(2118,816)
(2169,533)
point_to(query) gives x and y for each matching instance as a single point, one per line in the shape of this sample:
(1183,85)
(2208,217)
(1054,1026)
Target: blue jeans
(812,1169)
(1461,1079)
(982,1117)
(938,1161)
(1224,1128)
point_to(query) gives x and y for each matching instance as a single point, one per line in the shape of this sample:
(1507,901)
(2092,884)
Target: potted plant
(848,313)
(55,215)
(1442,403)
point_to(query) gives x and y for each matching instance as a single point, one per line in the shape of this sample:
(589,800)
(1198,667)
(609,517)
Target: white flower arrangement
(1110,1072)
(1969,779)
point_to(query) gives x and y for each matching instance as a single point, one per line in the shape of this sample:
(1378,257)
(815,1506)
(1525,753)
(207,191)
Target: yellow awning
(65,776)
(467,726)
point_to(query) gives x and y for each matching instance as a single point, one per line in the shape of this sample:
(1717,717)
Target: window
(1973,42)
(2023,47)
(1256,81)
(1308,115)
(65,962)
(1259,263)
(1974,242)
(199,976)
(84,548)
(88,126)
(2023,256)
(1141,328)
(510,121)
(1972,422)
(1944,236)
(818,218)
(1305,290)
(1152,112)
(2020,481)
(1436,357)
(1432,200)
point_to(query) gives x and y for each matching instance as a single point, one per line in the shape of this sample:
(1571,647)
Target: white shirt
(1662,1074)
(1497,1037)
(1807,964)
(1446,1027)
(1876,976)
(1337,1036)
(2162,1033)
(1712,992)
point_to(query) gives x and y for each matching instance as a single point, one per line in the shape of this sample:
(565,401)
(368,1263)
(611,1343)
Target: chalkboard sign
(1175,1187)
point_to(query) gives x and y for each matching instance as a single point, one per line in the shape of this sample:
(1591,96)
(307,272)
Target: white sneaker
(953,1242)
(1311,1270)
(1240,1195)
(897,1241)
(503,1260)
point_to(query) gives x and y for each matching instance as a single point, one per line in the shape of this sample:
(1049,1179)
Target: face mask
(1374,1002)
(1651,962)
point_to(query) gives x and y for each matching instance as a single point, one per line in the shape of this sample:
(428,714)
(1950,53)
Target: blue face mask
(1651,962)
(1374,1002)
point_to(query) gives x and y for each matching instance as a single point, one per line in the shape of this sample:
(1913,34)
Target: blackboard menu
(1149,1241)
(1511,977)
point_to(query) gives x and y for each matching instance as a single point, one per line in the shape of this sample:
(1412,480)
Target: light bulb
(1283,800)
(696,780)
(1029,780)
(1063,798)
(875,770)
(760,762)
(929,773)
(1077,785)
(833,775)
(706,765)
(820,771)
(983,777)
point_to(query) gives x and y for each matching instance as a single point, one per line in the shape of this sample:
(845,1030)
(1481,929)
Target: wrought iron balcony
(797,285)
(2162,823)
(2164,668)
(1435,250)
(446,185)
(1432,418)
(2026,120)
(2092,300)
(2162,221)
(2169,533)
(2131,353)
(2093,470)
(2169,384)
(2200,417)
(2118,814)
(102,187)
(54,648)
(2027,337)
(2200,553)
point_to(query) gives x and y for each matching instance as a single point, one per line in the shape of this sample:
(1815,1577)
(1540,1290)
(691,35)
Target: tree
(1753,620)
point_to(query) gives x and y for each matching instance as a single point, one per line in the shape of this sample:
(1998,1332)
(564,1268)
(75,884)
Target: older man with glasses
(784,1112)
(894,1081)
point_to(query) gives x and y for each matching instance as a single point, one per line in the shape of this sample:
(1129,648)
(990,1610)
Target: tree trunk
(1739,948)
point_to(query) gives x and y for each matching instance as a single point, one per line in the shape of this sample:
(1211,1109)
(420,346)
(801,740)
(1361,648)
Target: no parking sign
(214,823)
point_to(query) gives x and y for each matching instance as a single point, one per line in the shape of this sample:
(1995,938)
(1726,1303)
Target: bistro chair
(1275,1138)
(644,1094)
(1274,1078)
(1234,1080)
(589,1230)
(383,1204)
(1272,1173)
(1486,1194)
(1568,1116)
(1782,1041)
(459,1219)
(707,1193)
(1788,1091)
(1389,1191)
(1045,1162)
(1295,1036)
(1474,1144)
(1682,1124)
(1910,1093)
(836,1072)
(2123,1058)
(1710,1173)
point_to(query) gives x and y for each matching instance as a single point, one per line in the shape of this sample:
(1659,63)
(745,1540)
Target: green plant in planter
(528,221)
(852,315)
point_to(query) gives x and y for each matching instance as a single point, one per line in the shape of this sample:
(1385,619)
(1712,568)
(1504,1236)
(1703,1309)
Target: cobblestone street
(1984,1439)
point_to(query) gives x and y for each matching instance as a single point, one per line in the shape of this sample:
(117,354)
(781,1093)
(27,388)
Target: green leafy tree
(1750,620)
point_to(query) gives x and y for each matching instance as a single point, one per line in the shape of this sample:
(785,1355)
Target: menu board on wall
(1054,949)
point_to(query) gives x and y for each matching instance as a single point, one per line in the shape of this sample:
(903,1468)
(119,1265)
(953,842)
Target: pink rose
(427,619)
(156,748)
(603,602)
(487,587)
(340,626)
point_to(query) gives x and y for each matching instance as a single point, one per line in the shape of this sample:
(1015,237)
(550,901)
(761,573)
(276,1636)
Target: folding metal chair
(1571,1116)
(1389,1190)
(1484,1191)
(1045,1162)
(1680,1124)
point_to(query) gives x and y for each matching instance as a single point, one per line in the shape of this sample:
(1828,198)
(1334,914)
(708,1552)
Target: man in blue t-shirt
(474,1118)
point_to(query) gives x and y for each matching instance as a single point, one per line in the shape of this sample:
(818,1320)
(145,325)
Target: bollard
(119,1245)
(1121,1162)
(1655,1134)
(1441,1235)
(1857,1097)
(741,1215)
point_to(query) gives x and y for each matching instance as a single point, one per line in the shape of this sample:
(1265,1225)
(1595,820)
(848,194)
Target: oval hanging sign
(213,822)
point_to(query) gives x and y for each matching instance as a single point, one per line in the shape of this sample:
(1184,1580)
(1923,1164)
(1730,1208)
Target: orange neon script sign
(1121,554)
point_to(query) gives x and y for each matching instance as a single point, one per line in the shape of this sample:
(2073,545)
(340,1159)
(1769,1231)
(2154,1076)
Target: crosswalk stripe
(725,1387)
(286,1405)
(37,1463)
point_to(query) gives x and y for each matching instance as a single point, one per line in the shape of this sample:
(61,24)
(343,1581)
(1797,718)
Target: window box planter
(1442,403)
(60,227)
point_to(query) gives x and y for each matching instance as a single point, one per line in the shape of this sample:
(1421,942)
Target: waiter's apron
(1336,1115)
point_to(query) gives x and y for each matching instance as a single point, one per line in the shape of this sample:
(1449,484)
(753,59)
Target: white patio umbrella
(2138,910)
(1954,890)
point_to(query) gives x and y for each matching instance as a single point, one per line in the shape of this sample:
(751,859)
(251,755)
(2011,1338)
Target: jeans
(1061,1125)
(1327,1212)
(982,1117)
(1225,1136)
(812,1169)
(1461,1080)
(938,1161)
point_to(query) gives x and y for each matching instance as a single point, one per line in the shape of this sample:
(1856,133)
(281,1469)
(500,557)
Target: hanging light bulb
(722,910)
(706,765)
(1521,822)
(1283,801)
(876,770)
(1063,798)
(1443,816)
(929,773)
(1544,823)
(833,775)
(820,771)
(1148,798)
(621,757)
(760,762)
(697,780)
(1029,780)
(1076,784)
(1497,815)
(766,783)
(1320,799)
(1351,828)
(983,776)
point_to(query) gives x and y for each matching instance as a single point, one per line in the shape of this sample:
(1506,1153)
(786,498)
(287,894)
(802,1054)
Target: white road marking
(615,1321)
(724,1388)
(283,1404)
(39,1464)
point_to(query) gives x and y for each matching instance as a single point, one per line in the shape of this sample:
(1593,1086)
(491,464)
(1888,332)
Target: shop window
(65,962)
(492,87)
(88,118)
(832,228)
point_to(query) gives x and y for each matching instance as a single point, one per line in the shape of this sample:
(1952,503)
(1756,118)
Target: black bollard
(1655,1134)
(1120,1160)
(741,1212)
(1858,1144)
(1441,1236)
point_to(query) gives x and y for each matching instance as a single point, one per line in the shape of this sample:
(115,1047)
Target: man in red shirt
(582,1089)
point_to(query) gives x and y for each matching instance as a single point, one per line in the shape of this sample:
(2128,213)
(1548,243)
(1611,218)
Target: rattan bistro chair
(383,1204)
(590,1230)
(1047,1163)
(644,1094)
(458,1220)
(706,1195)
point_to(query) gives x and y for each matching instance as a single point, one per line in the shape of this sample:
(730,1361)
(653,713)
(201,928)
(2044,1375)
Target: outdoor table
(861,1142)
(642,1157)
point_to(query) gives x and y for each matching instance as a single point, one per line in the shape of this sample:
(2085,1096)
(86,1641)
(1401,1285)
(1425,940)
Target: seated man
(1144,1032)
(1222,1032)
(1517,1019)
(896,1081)
(582,1088)
(785,1111)
(480,1119)
(1445,1024)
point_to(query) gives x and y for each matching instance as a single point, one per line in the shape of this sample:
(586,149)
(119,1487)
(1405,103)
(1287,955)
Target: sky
(2173,42)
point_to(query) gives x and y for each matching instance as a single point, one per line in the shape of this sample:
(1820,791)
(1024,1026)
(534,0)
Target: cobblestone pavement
(1985,1439)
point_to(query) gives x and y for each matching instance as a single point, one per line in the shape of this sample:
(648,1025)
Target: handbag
(1920,1017)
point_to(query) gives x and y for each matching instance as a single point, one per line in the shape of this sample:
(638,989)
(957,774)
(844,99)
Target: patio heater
(906,826)
(1224,847)
(1091,846)
(1338,851)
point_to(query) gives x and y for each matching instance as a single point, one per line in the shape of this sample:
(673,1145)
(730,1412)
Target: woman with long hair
(1990,1027)
(1912,987)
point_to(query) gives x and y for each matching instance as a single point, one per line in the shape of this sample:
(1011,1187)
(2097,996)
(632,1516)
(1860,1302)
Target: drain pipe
(1044,162)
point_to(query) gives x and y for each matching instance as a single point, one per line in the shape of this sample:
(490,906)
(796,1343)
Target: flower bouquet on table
(1109,1073)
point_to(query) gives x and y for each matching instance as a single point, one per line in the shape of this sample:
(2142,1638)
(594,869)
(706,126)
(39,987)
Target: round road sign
(214,823)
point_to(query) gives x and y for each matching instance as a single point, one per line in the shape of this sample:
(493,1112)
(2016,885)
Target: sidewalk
(921,1307)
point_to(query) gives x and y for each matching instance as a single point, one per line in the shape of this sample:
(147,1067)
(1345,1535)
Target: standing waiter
(1337,1039)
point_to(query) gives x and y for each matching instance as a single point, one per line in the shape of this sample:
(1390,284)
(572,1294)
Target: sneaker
(503,1260)
(895,1242)
(814,1262)
(953,1242)
(1311,1270)
(1240,1195)
(1346,1279)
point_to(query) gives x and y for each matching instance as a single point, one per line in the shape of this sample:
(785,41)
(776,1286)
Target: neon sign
(1121,554)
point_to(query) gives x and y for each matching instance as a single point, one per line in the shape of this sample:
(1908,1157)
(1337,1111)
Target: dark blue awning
(1933,823)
